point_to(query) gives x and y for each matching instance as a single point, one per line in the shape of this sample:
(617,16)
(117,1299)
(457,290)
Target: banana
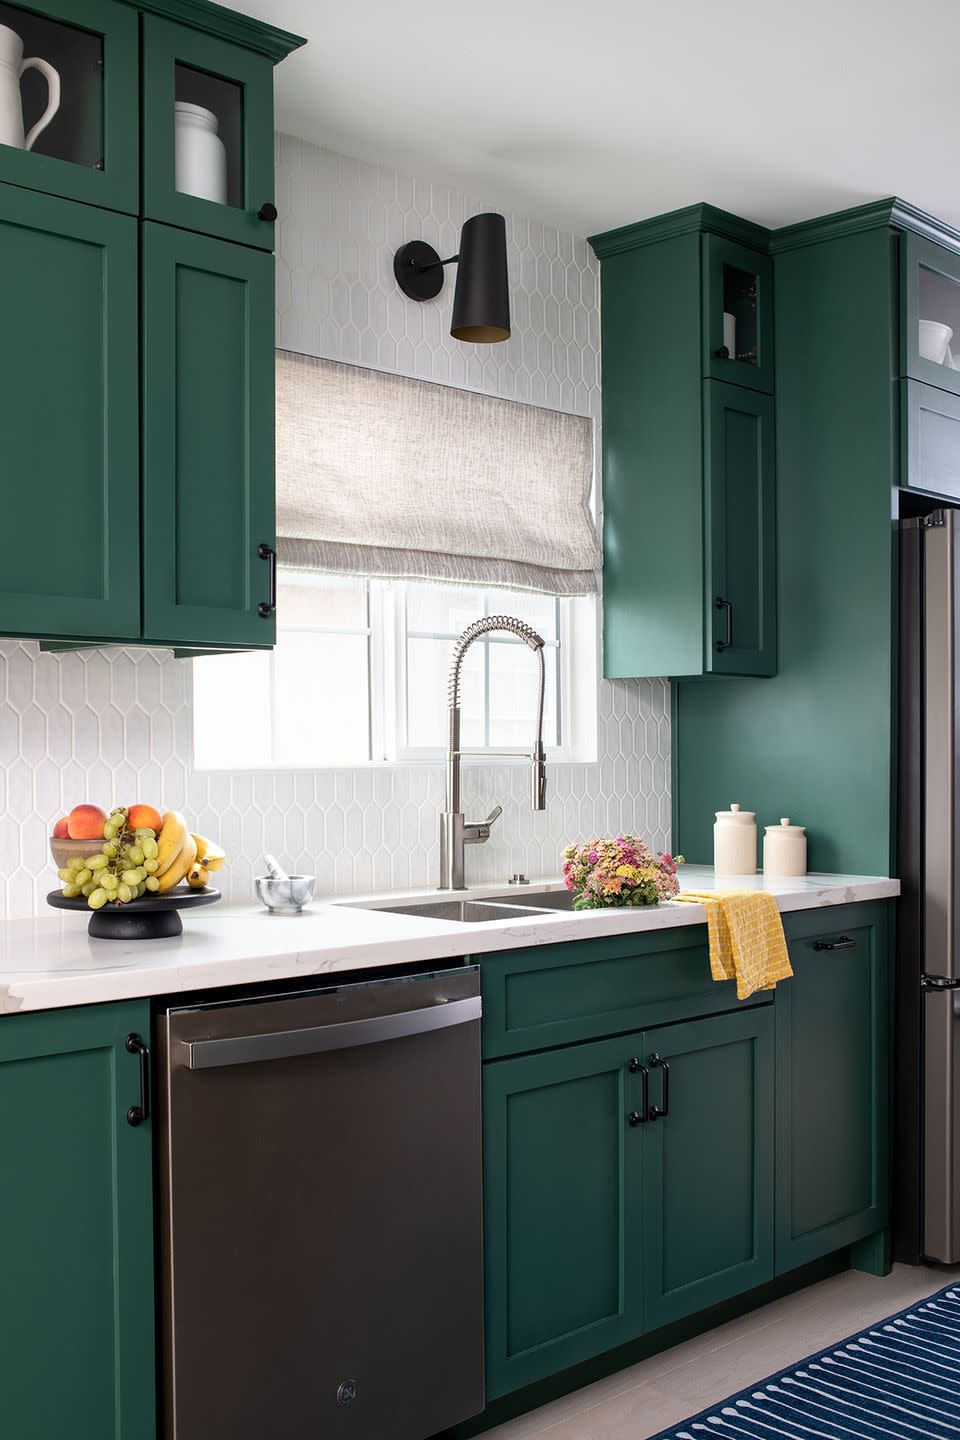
(197,875)
(211,855)
(178,869)
(170,841)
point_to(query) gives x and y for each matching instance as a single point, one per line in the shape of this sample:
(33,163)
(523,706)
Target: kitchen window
(359,676)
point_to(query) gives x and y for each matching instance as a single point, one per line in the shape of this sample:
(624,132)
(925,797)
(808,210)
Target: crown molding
(693,219)
(225,25)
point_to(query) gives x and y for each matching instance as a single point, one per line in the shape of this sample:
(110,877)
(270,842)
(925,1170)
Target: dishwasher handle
(320,1039)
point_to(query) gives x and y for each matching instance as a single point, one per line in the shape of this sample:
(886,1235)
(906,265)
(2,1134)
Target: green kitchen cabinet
(688,448)
(562,1237)
(89,151)
(741,538)
(930,438)
(707,1175)
(208,436)
(68,377)
(833,1059)
(76,1208)
(929,299)
(182,65)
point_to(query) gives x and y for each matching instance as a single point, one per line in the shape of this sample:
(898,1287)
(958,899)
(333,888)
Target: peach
(85,822)
(144,817)
(60,831)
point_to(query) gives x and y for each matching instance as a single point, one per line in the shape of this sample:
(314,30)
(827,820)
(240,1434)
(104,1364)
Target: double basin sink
(472,912)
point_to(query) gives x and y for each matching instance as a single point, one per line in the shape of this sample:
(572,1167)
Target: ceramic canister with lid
(735,842)
(785,849)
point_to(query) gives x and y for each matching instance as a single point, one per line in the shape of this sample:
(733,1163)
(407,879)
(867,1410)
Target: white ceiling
(594,114)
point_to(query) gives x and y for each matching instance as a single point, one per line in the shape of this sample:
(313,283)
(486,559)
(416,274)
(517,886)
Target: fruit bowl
(63,851)
(152,917)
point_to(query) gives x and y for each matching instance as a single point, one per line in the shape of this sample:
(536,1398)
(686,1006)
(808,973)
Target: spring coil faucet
(455,833)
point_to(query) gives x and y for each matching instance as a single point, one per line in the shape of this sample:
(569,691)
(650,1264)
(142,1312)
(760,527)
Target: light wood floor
(637,1403)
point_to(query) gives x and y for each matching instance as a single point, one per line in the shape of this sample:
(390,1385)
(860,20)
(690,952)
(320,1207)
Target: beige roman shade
(384,476)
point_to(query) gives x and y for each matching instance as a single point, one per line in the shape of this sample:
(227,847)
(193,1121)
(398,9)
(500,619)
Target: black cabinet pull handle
(638,1117)
(266,608)
(267,212)
(722,352)
(844,943)
(721,604)
(138,1113)
(661,1111)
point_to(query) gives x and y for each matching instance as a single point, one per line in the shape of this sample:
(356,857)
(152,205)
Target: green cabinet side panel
(815,741)
(68,377)
(165,46)
(708,1167)
(832,1030)
(561,1243)
(741,539)
(652,461)
(99,104)
(208,439)
(76,1296)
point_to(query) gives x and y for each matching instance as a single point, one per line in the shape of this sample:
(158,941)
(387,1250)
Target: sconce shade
(481,302)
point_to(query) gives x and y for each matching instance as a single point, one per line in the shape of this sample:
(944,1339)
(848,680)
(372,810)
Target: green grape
(130,877)
(109,830)
(75,863)
(97,899)
(96,862)
(71,891)
(125,894)
(152,883)
(65,874)
(141,888)
(136,854)
(110,849)
(144,833)
(107,881)
(82,876)
(89,888)
(151,866)
(150,849)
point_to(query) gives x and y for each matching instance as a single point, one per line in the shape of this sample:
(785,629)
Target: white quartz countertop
(51,962)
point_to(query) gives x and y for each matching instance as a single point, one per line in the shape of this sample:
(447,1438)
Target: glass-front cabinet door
(737,314)
(207,135)
(69,100)
(930,333)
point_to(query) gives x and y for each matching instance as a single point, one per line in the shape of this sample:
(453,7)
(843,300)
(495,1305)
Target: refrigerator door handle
(938,982)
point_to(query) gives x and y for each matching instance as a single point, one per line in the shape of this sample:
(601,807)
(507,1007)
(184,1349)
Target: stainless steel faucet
(455,833)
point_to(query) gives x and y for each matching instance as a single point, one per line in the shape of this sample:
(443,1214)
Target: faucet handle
(494,815)
(477,834)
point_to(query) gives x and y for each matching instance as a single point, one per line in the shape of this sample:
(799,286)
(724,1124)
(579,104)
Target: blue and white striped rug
(898,1380)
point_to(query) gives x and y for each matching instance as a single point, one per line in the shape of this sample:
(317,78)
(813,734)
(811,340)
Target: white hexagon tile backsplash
(116,725)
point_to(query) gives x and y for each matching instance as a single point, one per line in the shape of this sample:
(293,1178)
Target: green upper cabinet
(708,1166)
(84,146)
(741,539)
(562,1234)
(833,1058)
(208,134)
(68,377)
(688,448)
(737,314)
(76,1206)
(208,441)
(930,312)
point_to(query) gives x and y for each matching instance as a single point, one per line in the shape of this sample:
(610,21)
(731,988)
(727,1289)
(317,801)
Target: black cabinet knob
(722,353)
(267,212)
(635,1118)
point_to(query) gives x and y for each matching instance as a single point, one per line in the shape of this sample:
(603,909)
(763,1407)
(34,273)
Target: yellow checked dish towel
(747,943)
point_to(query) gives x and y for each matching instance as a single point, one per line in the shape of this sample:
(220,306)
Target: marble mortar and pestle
(284,894)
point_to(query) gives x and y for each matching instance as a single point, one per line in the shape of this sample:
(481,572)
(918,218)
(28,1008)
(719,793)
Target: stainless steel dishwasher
(321,1218)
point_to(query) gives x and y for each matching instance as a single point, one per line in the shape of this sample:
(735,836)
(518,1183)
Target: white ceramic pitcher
(12,66)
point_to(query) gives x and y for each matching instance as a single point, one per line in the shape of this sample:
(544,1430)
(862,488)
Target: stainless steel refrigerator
(927,1012)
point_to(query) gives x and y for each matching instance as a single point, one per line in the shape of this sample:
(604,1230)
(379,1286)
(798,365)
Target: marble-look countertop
(51,962)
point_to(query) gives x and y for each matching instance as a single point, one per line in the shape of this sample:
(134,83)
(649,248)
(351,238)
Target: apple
(86,822)
(60,831)
(144,817)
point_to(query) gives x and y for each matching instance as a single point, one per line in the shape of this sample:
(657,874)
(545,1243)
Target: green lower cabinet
(833,1056)
(708,1170)
(68,377)
(562,1193)
(76,1212)
(208,441)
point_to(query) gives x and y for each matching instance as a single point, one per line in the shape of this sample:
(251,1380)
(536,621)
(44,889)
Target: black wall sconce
(481,301)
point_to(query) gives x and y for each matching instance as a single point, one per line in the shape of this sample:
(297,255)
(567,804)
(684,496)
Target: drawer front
(930,439)
(559,994)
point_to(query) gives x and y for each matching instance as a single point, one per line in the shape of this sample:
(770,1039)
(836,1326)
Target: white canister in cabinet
(735,842)
(785,849)
(200,156)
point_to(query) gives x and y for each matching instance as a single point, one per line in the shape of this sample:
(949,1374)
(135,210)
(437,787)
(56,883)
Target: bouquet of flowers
(619,872)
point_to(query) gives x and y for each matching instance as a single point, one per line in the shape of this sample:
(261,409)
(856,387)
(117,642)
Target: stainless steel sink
(467,912)
(540,899)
